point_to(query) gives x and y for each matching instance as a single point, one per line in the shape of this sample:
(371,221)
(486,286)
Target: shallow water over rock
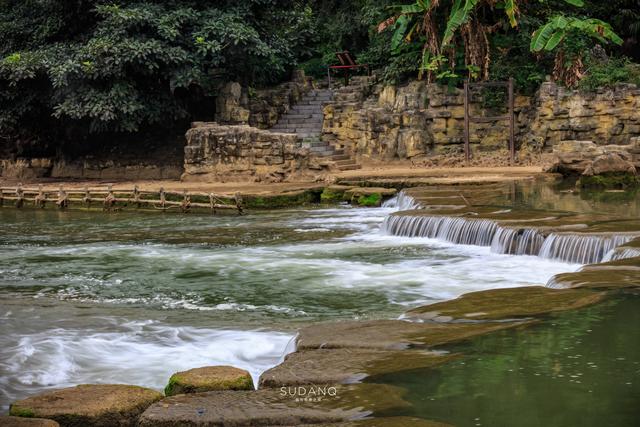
(576,368)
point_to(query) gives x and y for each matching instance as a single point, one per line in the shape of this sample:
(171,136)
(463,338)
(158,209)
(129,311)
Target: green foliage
(550,35)
(98,66)
(609,72)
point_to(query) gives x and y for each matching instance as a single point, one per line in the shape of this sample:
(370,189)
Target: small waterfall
(517,241)
(459,230)
(402,201)
(575,248)
(622,253)
(581,248)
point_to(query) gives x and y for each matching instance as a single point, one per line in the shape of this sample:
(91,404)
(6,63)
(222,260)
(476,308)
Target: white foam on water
(141,352)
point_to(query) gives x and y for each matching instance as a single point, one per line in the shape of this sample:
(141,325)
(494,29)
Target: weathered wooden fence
(110,199)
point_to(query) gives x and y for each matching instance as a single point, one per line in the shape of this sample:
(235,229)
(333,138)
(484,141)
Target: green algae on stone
(390,334)
(615,275)
(209,378)
(345,365)
(90,405)
(369,200)
(13,421)
(508,303)
(333,194)
(611,180)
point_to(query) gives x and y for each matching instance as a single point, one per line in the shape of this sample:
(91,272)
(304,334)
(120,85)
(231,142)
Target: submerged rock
(238,408)
(389,334)
(311,404)
(345,365)
(509,303)
(90,405)
(10,421)
(209,378)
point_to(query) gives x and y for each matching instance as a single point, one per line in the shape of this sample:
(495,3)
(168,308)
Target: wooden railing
(110,199)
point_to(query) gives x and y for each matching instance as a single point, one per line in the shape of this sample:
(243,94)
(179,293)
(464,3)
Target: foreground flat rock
(237,408)
(390,334)
(209,378)
(9,421)
(508,303)
(345,365)
(99,405)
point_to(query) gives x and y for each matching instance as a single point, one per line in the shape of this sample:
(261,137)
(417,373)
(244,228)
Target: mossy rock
(611,180)
(209,378)
(333,194)
(369,200)
(9,421)
(90,405)
(511,303)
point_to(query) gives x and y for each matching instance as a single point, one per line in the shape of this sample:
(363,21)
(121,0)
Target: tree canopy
(80,69)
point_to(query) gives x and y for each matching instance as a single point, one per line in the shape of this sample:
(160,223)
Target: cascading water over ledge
(403,202)
(582,248)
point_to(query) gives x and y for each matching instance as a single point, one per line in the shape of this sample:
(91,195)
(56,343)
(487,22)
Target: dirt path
(371,175)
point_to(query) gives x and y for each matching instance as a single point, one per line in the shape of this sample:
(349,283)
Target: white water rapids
(107,311)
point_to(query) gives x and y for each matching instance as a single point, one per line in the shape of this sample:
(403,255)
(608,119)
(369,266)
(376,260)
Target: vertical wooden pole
(467,154)
(19,196)
(512,125)
(163,201)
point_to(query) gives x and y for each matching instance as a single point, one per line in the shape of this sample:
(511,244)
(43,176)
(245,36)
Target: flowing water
(133,297)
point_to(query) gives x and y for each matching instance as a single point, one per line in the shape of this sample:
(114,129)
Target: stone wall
(88,168)
(243,153)
(381,123)
(260,108)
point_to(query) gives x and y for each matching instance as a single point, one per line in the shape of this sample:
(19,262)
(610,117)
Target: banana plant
(550,35)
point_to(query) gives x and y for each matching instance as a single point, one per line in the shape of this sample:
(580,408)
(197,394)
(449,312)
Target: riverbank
(370,175)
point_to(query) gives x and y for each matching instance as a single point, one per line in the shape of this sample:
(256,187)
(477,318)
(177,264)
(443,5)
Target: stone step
(337,157)
(301,109)
(303,121)
(319,144)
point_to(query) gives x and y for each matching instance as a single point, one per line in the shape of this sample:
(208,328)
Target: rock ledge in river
(209,378)
(9,421)
(90,405)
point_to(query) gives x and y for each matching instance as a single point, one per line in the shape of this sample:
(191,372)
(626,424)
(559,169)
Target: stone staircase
(305,120)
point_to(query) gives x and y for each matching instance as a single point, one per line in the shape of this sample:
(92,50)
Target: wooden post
(19,196)
(163,200)
(40,198)
(136,196)
(1,197)
(110,199)
(212,203)
(238,199)
(62,198)
(467,154)
(185,206)
(512,143)
(87,196)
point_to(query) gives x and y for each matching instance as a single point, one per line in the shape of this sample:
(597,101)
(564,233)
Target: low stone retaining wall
(239,153)
(382,123)
(25,169)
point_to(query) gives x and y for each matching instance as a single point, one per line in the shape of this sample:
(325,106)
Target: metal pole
(466,121)
(512,145)
(329,76)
